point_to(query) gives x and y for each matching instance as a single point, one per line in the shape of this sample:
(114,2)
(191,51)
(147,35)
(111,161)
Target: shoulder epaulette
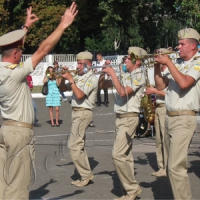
(196,57)
(13,66)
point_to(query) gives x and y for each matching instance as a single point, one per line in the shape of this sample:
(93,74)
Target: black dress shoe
(106,104)
(98,104)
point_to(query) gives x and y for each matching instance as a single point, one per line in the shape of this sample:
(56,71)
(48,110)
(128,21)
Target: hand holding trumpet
(68,76)
(162,59)
(108,70)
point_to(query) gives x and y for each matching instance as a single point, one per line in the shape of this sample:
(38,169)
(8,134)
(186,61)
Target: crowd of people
(177,89)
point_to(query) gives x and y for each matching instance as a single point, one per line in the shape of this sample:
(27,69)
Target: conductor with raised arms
(16,134)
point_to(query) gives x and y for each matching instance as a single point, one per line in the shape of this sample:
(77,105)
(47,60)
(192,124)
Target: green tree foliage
(87,21)
(144,23)
(119,20)
(188,13)
(104,25)
(49,14)
(4,17)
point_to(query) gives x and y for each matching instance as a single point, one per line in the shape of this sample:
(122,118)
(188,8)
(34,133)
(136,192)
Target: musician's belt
(80,109)
(16,123)
(181,112)
(133,114)
(160,105)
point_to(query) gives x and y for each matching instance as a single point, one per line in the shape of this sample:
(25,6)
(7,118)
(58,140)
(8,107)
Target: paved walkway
(55,170)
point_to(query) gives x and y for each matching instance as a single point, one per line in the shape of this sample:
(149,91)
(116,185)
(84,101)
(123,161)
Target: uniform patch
(197,66)
(89,83)
(135,82)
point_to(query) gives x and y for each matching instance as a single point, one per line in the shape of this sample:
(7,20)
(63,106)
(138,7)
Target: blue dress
(53,96)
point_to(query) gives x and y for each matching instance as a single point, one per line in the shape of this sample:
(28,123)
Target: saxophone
(147,104)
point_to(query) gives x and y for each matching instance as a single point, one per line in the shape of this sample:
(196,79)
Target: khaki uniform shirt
(177,99)
(130,103)
(161,99)
(88,83)
(15,96)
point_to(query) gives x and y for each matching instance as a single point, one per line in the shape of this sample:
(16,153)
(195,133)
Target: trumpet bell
(149,58)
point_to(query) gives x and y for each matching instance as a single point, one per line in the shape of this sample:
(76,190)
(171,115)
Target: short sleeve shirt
(177,99)
(161,99)
(15,96)
(130,103)
(88,83)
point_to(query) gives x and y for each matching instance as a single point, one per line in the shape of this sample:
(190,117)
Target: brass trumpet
(61,72)
(134,57)
(86,67)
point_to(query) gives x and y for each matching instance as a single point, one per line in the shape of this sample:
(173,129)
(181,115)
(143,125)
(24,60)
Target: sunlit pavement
(55,170)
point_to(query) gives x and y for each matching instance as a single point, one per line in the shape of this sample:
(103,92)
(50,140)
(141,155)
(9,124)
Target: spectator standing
(58,69)
(53,96)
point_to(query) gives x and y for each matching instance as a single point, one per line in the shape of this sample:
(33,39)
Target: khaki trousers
(160,115)
(122,153)
(76,144)
(17,156)
(179,133)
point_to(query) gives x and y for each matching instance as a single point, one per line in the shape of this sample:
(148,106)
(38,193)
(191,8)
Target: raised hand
(31,18)
(69,15)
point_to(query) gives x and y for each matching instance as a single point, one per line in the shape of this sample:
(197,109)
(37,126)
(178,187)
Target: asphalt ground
(55,170)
